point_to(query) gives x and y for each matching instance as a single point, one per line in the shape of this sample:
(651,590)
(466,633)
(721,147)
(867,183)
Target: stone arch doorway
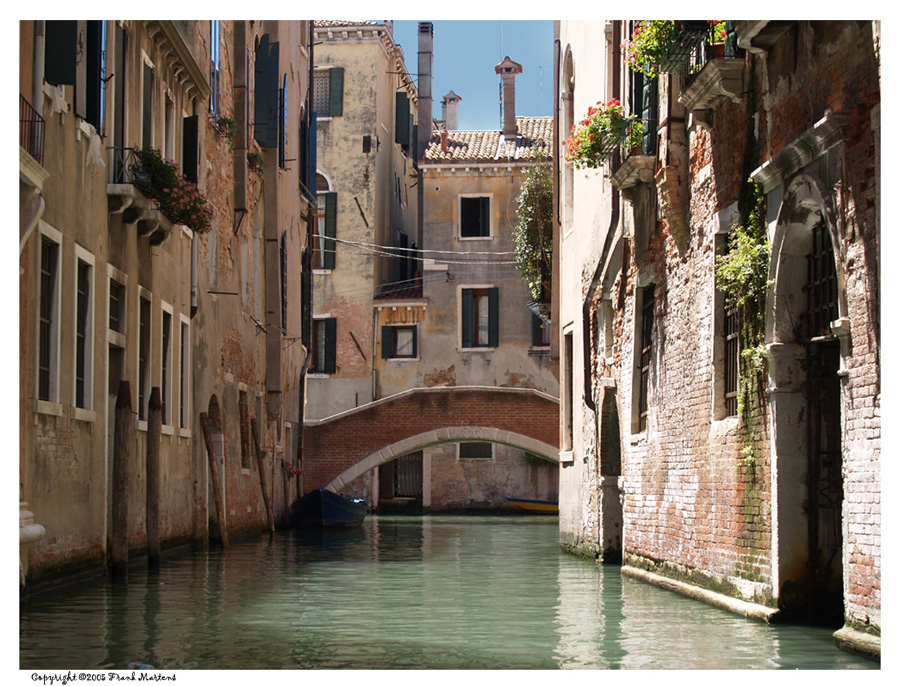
(610,470)
(808,331)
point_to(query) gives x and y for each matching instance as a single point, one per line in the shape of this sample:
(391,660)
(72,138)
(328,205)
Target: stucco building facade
(126,297)
(757,490)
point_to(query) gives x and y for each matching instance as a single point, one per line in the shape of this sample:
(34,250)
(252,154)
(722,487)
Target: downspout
(607,245)
(194,250)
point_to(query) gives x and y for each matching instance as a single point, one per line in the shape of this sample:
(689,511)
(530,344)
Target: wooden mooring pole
(123,441)
(262,477)
(154,429)
(214,475)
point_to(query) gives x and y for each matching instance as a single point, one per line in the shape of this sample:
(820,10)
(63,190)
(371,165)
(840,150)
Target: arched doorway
(807,328)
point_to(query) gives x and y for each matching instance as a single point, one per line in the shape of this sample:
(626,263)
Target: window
(75,56)
(166,364)
(644,354)
(821,285)
(116,306)
(732,360)
(147,106)
(474,217)
(480,317)
(266,105)
(568,392)
(540,332)
(184,374)
(214,67)
(326,230)
(476,451)
(282,123)
(324,344)
(399,342)
(283,256)
(244,418)
(403,121)
(48,318)
(84,319)
(143,357)
(328,92)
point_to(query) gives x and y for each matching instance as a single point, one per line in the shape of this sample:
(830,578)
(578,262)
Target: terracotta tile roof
(489,146)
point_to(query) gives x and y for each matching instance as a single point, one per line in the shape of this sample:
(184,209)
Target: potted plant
(593,140)
(164,184)
(533,233)
(660,46)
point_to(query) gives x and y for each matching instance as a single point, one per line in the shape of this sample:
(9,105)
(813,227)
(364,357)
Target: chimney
(444,137)
(450,111)
(508,70)
(426,116)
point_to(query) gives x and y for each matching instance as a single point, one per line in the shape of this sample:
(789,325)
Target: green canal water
(436,592)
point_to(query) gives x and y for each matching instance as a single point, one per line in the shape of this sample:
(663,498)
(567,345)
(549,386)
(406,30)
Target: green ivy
(533,233)
(742,275)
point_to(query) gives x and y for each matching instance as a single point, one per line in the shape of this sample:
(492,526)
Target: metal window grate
(647,305)
(732,360)
(322,92)
(821,284)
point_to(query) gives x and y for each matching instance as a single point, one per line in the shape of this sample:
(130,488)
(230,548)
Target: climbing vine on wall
(534,229)
(742,275)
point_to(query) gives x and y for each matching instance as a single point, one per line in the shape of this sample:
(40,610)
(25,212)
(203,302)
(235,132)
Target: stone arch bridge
(340,448)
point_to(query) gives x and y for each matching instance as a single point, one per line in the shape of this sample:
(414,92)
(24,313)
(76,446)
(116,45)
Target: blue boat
(321,507)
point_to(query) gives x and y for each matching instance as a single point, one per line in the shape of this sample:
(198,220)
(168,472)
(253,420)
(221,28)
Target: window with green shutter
(328,92)
(402,120)
(266,99)
(399,342)
(324,346)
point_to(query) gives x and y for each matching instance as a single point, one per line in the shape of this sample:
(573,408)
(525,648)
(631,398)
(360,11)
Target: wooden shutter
(190,129)
(330,345)
(265,99)
(401,128)
(493,317)
(93,83)
(415,341)
(387,342)
(328,259)
(60,38)
(649,114)
(468,318)
(282,123)
(336,95)
(147,105)
(485,216)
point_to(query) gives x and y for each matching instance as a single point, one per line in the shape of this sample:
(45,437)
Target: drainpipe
(610,232)
(38,68)
(194,250)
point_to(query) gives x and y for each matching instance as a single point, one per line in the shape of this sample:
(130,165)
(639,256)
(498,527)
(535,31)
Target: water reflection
(418,593)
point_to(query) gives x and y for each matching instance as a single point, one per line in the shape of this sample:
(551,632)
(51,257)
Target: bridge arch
(339,448)
(448,434)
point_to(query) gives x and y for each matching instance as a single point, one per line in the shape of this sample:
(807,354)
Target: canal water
(436,592)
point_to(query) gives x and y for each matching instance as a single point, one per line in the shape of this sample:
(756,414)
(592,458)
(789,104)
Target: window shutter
(94,74)
(485,217)
(494,317)
(415,341)
(336,100)
(468,318)
(387,342)
(536,331)
(415,141)
(282,122)
(190,128)
(330,345)
(330,230)
(649,115)
(59,52)
(266,116)
(147,104)
(401,125)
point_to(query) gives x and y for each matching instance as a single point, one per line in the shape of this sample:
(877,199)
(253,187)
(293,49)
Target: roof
(490,146)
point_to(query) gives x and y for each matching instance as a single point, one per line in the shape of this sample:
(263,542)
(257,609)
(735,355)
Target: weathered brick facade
(734,504)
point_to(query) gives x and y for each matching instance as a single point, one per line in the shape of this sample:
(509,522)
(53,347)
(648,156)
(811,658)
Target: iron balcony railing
(31,130)
(125,166)
(706,50)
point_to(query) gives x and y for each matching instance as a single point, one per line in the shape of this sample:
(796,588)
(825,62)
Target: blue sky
(465,53)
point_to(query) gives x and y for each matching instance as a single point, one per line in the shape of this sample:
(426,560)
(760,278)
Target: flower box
(604,130)
(662,46)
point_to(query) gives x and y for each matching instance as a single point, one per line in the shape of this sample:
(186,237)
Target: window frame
(49,398)
(643,356)
(335,88)
(389,347)
(323,355)
(84,358)
(489,197)
(144,355)
(184,374)
(468,317)
(166,361)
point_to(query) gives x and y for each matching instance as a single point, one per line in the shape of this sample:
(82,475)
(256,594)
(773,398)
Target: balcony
(125,197)
(712,74)
(31,130)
